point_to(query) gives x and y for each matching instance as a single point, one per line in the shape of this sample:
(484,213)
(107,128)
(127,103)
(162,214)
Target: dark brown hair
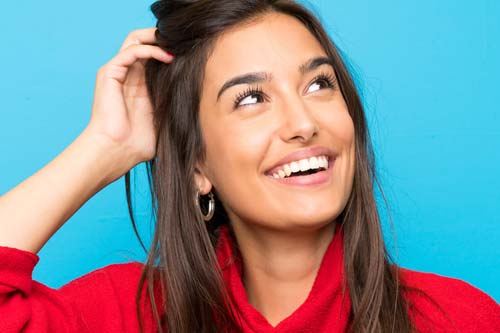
(182,256)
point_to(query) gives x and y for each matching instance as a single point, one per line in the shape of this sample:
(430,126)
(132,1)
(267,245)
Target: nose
(298,122)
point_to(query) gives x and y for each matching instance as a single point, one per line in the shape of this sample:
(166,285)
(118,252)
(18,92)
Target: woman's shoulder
(103,300)
(116,271)
(111,291)
(120,279)
(445,303)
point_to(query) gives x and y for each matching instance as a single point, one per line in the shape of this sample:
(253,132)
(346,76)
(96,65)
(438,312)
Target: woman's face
(280,103)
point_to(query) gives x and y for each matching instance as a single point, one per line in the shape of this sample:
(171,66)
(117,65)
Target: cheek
(346,134)
(234,153)
(338,123)
(340,129)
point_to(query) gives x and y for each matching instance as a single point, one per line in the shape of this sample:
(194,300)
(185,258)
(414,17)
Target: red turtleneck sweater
(104,300)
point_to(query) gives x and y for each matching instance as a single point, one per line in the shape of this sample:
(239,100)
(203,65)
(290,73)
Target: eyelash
(326,77)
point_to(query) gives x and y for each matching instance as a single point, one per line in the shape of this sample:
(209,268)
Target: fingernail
(169,53)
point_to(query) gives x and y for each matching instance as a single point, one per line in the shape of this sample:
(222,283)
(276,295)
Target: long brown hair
(182,256)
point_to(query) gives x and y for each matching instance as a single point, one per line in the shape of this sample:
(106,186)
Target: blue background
(428,71)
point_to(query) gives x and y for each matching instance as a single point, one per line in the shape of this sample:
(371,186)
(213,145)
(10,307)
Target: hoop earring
(211,205)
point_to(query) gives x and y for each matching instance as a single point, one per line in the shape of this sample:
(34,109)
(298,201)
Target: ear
(201,179)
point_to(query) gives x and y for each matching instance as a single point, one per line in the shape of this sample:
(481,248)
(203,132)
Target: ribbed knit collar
(326,308)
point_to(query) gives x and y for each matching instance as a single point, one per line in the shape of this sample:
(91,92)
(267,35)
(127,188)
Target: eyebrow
(256,77)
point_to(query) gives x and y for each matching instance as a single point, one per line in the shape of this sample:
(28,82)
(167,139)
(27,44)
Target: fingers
(133,53)
(140,36)
(137,48)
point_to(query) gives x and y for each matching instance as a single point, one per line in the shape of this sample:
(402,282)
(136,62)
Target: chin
(314,221)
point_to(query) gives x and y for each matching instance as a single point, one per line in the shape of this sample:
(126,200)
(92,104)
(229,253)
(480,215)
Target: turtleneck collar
(326,308)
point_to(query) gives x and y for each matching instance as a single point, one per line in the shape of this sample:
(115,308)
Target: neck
(279,267)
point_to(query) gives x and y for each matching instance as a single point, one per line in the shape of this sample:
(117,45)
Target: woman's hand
(120,134)
(122,114)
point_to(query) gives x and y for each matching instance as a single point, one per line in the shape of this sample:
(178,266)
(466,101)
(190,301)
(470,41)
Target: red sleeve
(444,304)
(100,301)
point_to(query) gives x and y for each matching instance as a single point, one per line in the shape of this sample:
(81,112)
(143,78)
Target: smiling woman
(262,174)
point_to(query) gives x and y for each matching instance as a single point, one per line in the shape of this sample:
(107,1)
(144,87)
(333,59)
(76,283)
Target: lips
(299,155)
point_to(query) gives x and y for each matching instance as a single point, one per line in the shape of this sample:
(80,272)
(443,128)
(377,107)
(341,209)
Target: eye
(248,97)
(323,80)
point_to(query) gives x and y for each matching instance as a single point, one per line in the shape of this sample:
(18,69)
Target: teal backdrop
(428,71)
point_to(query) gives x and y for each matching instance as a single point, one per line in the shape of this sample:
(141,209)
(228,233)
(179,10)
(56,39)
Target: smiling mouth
(303,167)
(306,178)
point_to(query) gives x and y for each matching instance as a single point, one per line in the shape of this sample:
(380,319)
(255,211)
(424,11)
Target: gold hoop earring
(211,205)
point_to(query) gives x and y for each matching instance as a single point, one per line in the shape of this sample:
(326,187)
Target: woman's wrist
(107,159)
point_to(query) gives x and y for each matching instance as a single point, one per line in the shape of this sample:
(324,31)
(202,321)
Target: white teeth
(325,165)
(287,169)
(295,167)
(314,162)
(323,162)
(304,165)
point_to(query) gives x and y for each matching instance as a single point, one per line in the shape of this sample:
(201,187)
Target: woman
(262,175)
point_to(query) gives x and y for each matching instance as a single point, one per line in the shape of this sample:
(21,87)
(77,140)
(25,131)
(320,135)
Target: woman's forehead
(274,43)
